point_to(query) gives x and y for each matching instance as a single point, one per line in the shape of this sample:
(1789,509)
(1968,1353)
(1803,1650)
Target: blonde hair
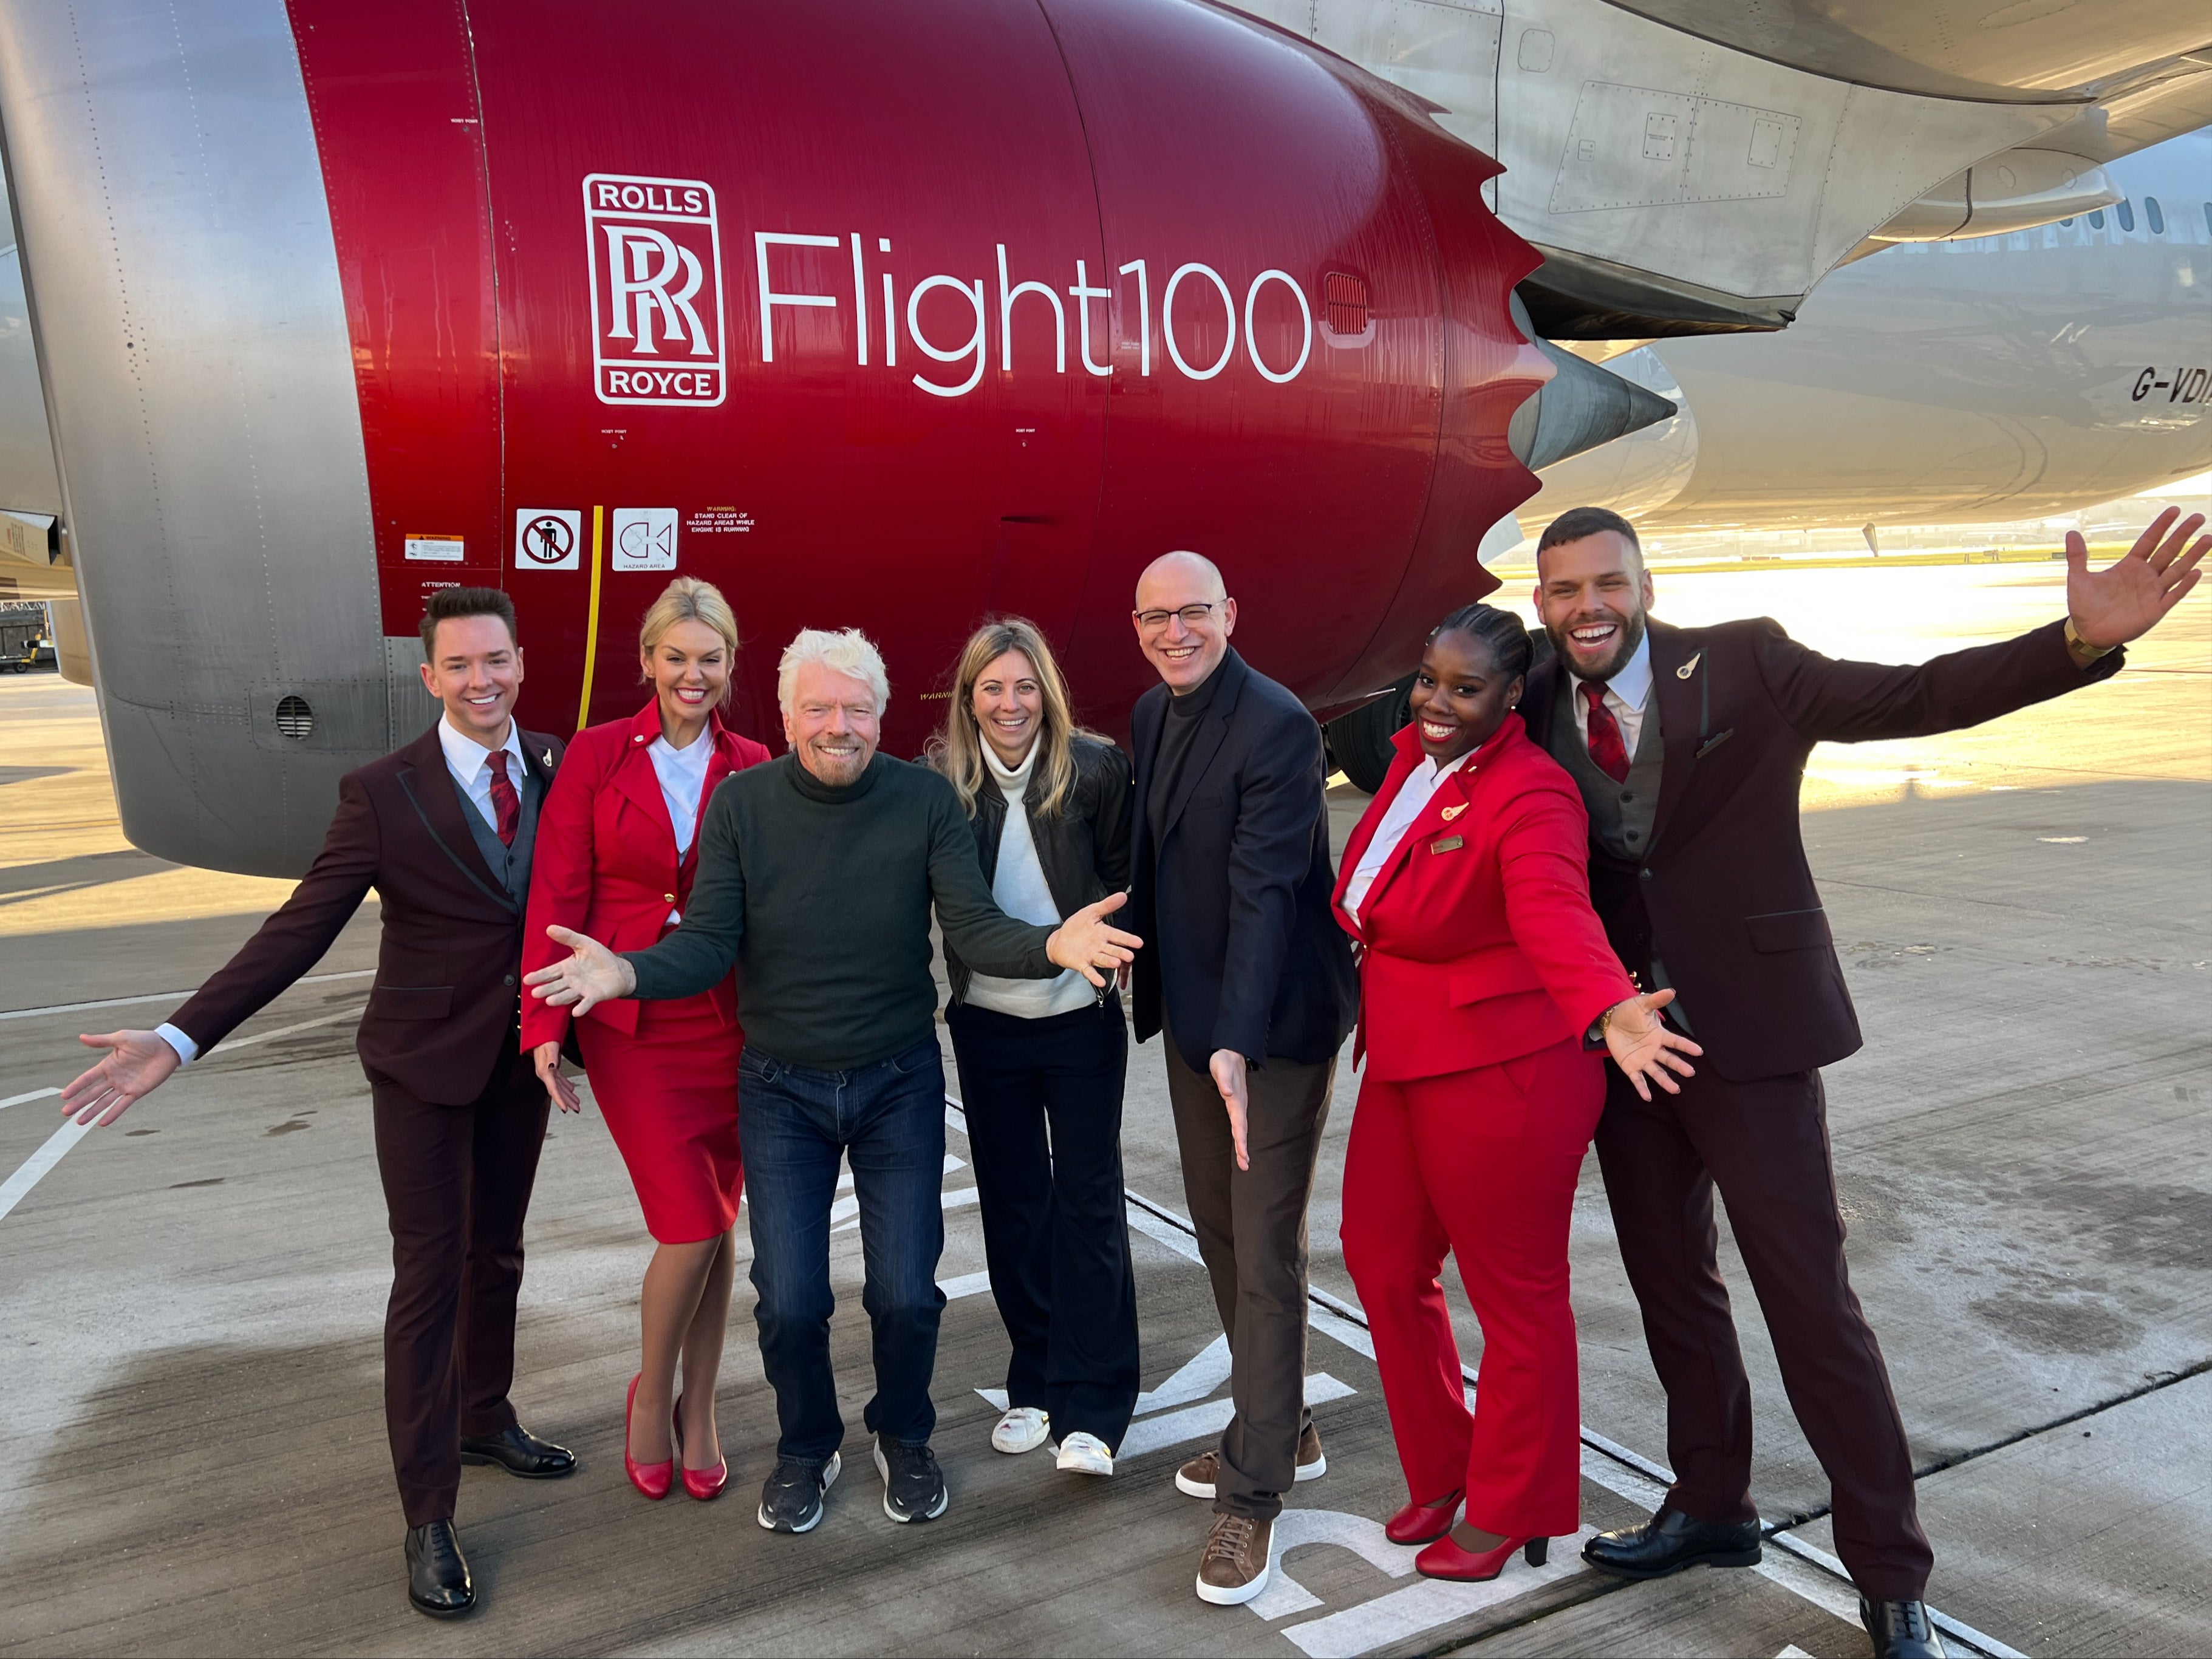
(848,652)
(687,599)
(957,750)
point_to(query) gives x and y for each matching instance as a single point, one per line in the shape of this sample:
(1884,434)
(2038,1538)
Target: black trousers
(456,1182)
(1044,1098)
(1251,1227)
(1765,1144)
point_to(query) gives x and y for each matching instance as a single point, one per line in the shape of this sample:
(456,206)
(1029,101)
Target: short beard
(1631,635)
(839,774)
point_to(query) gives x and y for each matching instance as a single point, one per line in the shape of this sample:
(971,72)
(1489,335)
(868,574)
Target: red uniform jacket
(607,865)
(1479,942)
(442,1006)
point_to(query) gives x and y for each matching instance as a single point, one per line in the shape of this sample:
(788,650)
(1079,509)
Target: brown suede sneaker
(1196,1479)
(1233,1568)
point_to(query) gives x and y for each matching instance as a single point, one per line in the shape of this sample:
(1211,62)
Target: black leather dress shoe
(520,1452)
(1668,1542)
(438,1581)
(1901,1630)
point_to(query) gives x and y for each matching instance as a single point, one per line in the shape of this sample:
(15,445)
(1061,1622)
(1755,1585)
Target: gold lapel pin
(549,758)
(1689,667)
(1451,812)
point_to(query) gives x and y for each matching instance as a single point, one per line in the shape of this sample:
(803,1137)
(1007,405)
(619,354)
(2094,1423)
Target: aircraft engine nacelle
(873,313)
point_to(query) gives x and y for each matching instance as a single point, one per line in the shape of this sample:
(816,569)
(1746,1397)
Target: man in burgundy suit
(1688,744)
(443,830)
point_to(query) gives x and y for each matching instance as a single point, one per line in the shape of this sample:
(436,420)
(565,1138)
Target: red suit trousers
(1482,1164)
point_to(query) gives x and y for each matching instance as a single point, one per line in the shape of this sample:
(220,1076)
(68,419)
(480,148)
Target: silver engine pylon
(183,286)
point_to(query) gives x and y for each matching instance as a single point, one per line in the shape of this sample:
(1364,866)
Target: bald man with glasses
(1252,983)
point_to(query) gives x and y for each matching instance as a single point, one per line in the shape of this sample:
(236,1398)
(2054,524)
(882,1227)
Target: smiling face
(832,724)
(1008,704)
(1183,618)
(475,670)
(690,667)
(1459,698)
(1592,595)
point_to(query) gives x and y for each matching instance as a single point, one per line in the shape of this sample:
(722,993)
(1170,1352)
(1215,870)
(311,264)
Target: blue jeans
(795,1124)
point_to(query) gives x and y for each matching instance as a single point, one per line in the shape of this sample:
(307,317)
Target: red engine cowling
(894,316)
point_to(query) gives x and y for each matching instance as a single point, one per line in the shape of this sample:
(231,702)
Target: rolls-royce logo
(655,256)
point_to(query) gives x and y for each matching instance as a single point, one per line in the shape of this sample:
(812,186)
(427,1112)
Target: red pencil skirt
(670,1096)
(1481,1165)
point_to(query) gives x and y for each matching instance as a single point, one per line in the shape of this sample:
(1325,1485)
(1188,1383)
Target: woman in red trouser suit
(1482,970)
(611,863)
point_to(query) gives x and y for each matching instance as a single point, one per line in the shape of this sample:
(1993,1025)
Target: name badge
(1449,844)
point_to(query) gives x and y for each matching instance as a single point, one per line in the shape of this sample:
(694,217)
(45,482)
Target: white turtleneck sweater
(1019,887)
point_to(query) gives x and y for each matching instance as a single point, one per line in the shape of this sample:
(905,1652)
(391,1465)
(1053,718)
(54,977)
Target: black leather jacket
(1083,849)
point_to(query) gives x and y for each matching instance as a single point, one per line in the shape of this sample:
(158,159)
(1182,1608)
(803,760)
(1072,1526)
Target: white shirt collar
(692,757)
(467,758)
(1633,683)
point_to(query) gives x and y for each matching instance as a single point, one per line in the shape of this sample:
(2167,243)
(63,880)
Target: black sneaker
(791,1499)
(913,1486)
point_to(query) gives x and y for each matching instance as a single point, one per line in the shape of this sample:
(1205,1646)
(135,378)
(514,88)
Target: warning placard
(547,538)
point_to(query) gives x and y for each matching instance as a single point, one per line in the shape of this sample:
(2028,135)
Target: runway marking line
(35,1168)
(159,996)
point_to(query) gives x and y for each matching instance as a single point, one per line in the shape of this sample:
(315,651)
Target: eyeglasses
(1193,616)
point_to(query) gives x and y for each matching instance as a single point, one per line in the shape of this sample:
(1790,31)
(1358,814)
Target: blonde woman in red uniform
(617,851)
(1486,988)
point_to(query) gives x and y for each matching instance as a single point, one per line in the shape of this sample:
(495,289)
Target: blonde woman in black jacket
(1042,1061)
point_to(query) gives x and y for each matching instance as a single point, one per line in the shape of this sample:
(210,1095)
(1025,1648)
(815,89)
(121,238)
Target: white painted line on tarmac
(161,996)
(34,1169)
(966,1285)
(1944,1621)
(1207,1421)
(1433,1601)
(35,1094)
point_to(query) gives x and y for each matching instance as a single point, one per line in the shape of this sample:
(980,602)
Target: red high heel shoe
(1423,1523)
(1445,1559)
(653,1480)
(705,1485)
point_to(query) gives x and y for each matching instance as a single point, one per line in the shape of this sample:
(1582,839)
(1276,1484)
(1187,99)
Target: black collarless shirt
(1177,732)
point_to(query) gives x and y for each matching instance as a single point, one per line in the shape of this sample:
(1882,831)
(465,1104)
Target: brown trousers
(1251,1229)
(457,1181)
(1765,1143)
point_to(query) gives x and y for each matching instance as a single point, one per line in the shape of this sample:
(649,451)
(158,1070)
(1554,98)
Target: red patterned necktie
(508,805)
(1605,748)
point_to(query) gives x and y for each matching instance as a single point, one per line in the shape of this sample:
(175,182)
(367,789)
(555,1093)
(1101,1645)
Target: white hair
(848,652)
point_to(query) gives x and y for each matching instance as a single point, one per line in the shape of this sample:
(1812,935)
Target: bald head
(1181,572)
(1184,618)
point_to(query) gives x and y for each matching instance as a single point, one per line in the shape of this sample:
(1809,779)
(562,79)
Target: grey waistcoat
(1621,814)
(510,864)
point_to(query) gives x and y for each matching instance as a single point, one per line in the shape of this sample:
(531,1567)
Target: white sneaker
(1085,1454)
(1022,1428)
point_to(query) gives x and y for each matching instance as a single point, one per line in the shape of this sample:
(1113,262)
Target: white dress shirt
(683,775)
(1018,885)
(470,762)
(1627,694)
(1408,803)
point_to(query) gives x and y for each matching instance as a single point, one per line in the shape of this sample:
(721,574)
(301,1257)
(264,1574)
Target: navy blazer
(1241,951)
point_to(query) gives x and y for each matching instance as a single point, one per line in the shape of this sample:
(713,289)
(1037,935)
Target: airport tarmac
(192,1447)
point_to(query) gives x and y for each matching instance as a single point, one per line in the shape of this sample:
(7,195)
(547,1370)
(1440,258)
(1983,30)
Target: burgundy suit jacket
(442,1007)
(1724,897)
(606,863)
(1480,943)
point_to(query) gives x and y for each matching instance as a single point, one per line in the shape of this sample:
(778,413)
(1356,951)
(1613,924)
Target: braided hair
(1501,631)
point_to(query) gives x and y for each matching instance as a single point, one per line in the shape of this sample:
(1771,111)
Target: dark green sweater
(821,897)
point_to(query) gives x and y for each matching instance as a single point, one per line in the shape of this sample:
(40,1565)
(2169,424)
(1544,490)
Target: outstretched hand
(1084,942)
(2129,597)
(1643,1046)
(588,976)
(136,1064)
